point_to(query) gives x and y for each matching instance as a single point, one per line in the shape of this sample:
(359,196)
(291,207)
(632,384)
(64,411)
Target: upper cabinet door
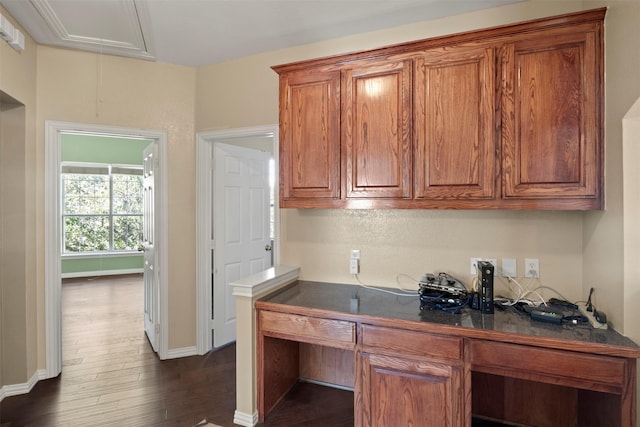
(377,130)
(551,121)
(309,136)
(454,114)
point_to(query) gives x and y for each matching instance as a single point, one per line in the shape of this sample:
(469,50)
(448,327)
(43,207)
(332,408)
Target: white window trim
(89,255)
(99,167)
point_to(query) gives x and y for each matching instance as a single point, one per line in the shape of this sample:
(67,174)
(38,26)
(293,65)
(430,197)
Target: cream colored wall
(631,177)
(244,92)
(19,276)
(85,87)
(415,242)
(13,245)
(604,233)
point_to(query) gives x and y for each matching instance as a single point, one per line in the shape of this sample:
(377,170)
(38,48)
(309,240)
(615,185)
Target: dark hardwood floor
(111,376)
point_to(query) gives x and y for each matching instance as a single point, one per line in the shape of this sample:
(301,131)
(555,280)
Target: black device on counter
(442,292)
(486,272)
(546,314)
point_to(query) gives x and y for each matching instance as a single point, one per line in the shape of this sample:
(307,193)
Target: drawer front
(402,341)
(315,330)
(547,362)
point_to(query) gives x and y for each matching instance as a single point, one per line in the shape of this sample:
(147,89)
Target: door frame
(204,215)
(53,232)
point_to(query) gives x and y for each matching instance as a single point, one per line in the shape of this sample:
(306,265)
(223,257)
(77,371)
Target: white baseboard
(24,388)
(246,420)
(181,352)
(101,273)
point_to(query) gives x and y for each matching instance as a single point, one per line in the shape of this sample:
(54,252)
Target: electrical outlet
(531,268)
(509,267)
(473,265)
(354,261)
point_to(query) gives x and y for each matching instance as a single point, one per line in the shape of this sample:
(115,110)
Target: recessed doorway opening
(156,292)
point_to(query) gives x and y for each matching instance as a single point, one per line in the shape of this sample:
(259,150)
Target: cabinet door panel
(550,117)
(310,136)
(377,130)
(405,392)
(454,121)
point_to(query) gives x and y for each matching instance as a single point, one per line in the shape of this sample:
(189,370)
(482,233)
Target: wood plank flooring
(111,377)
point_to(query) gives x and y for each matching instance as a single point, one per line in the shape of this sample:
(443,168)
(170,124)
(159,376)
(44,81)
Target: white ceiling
(201,32)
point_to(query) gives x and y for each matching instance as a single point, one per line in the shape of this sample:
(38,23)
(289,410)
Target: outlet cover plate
(509,267)
(531,268)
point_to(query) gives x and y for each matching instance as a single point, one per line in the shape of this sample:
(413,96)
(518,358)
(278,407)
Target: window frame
(67,167)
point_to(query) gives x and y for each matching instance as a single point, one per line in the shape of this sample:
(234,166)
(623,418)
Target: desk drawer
(406,342)
(519,360)
(314,330)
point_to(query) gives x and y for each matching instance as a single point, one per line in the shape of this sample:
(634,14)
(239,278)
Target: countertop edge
(632,351)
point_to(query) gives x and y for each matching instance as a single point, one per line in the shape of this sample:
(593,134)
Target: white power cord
(407,293)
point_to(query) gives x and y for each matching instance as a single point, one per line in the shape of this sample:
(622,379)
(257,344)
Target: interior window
(101,208)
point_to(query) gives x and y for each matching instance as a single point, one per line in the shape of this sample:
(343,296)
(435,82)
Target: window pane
(86,234)
(127,232)
(86,194)
(127,194)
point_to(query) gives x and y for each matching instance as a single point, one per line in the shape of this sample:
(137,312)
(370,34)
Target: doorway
(53,231)
(209,284)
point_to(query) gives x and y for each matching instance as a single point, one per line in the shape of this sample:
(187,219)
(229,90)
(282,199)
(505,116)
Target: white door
(151,288)
(242,245)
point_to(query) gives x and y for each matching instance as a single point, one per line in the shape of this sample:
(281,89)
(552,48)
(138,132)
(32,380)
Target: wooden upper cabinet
(551,116)
(454,123)
(376,115)
(309,136)
(504,118)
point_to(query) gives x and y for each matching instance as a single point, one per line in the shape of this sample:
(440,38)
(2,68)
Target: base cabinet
(399,391)
(522,402)
(428,371)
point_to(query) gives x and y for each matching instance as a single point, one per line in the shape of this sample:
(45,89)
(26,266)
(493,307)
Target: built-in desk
(435,368)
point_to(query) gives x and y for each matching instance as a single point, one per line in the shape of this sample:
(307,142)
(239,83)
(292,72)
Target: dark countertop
(509,325)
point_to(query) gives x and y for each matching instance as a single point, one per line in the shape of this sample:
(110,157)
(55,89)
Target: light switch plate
(509,267)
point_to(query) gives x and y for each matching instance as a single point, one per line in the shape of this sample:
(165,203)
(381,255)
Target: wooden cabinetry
(551,104)
(278,342)
(454,123)
(433,368)
(527,385)
(406,392)
(310,136)
(409,378)
(504,118)
(377,130)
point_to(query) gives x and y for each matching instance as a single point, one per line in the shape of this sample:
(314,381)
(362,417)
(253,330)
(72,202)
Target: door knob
(267,248)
